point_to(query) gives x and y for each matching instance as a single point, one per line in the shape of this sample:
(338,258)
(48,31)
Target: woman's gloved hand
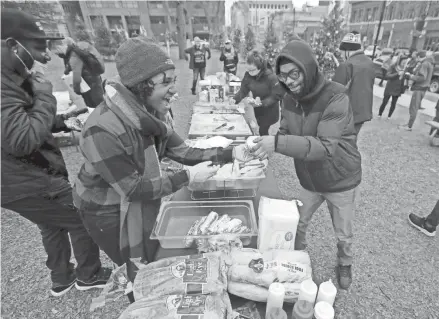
(201,172)
(242,153)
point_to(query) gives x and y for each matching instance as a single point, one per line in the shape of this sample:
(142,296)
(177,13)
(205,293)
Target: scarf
(136,219)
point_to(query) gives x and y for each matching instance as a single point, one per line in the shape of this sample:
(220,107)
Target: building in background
(132,16)
(398,23)
(256,14)
(49,13)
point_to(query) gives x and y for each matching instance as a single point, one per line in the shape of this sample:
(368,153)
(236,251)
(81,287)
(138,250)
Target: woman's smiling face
(163,89)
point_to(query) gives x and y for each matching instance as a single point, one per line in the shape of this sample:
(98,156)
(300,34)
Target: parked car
(369,51)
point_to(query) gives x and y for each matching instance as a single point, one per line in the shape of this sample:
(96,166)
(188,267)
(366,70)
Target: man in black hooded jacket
(317,130)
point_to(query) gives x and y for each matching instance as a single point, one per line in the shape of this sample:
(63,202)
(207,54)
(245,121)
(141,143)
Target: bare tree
(181,29)
(188,16)
(168,15)
(423,11)
(207,9)
(145,19)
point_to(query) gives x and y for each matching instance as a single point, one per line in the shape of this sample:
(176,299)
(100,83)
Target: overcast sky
(297,4)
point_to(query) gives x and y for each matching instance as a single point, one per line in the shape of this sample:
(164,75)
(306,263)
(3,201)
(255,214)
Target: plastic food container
(232,126)
(175,219)
(214,184)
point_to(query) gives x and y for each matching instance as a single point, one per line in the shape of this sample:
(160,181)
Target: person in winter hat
(230,58)
(120,185)
(34,177)
(357,73)
(317,130)
(197,61)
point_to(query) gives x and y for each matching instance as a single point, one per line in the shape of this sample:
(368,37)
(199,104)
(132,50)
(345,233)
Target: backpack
(90,56)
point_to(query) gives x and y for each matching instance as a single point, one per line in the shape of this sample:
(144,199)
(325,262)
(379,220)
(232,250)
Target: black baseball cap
(21,25)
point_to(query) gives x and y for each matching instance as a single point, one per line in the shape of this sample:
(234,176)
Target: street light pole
(383,8)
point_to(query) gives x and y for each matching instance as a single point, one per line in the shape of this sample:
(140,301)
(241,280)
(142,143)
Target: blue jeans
(415,104)
(341,207)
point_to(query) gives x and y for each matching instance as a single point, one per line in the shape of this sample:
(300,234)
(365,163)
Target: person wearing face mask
(34,178)
(261,81)
(197,61)
(357,73)
(230,58)
(317,130)
(120,185)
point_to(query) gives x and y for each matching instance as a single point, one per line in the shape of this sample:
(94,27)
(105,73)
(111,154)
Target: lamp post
(367,29)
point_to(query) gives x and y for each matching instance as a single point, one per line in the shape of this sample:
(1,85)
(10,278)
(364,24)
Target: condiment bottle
(276,313)
(303,310)
(323,310)
(308,291)
(276,295)
(327,292)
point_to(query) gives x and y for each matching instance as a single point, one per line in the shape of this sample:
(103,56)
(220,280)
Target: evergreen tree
(327,41)
(237,40)
(270,50)
(249,41)
(81,33)
(104,40)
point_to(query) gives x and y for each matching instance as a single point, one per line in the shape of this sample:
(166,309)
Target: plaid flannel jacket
(114,154)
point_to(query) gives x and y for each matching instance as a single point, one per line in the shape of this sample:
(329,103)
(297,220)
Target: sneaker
(379,117)
(388,119)
(344,274)
(98,281)
(193,92)
(420,224)
(408,128)
(59,289)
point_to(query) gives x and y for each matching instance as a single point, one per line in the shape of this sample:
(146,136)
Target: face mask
(253,73)
(29,58)
(38,67)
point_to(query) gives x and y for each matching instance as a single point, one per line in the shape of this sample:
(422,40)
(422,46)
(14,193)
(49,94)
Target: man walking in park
(197,61)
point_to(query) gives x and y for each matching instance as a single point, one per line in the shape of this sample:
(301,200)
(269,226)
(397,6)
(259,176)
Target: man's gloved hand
(186,58)
(201,172)
(265,147)
(40,84)
(242,153)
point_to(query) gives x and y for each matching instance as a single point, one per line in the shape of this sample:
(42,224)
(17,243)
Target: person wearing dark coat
(229,57)
(317,131)
(394,86)
(261,81)
(357,73)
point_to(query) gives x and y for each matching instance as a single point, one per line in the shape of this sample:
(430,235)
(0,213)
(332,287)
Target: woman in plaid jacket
(120,185)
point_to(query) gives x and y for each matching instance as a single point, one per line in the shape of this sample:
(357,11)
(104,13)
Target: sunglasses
(293,74)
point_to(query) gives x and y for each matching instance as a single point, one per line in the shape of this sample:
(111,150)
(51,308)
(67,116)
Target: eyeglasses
(293,75)
(167,80)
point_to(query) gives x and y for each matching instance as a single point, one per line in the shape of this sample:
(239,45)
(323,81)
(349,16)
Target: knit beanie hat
(351,42)
(139,59)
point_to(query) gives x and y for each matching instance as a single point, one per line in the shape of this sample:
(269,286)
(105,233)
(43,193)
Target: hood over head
(301,54)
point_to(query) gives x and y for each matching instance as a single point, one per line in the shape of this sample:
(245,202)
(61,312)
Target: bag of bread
(214,306)
(260,294)
(197,274)
(252,267)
